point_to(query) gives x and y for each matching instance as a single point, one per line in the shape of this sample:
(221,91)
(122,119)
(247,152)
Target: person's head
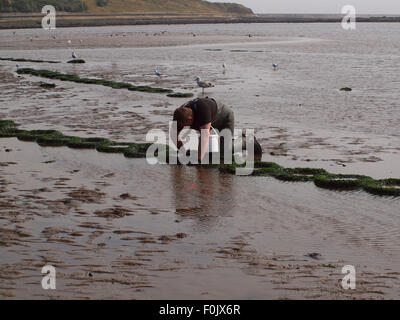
(184,117)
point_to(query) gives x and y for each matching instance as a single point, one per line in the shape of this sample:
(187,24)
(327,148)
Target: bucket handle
(212,128)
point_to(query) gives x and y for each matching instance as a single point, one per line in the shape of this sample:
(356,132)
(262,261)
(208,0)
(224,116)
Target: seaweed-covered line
(323,178)
(74,78)
(28,60)
(320,177)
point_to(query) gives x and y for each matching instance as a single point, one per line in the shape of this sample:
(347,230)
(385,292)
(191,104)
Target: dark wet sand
(94,217)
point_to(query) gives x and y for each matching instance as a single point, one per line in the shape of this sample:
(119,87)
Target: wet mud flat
(300,116)
(120,228)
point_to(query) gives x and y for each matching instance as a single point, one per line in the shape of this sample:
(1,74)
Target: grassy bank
(127,19)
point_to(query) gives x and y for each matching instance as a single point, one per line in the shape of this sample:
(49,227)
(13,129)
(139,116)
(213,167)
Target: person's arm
(204,140)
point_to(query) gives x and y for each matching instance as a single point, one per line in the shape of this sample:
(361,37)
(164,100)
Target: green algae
(108,83)
(114,147)
(54,138)
(33,135)
(77,61)
(47,85)
(340,181)
(385,187)
(28,60)
(180,95)
(137,150)
(86,143)
(7,128)
(322,178)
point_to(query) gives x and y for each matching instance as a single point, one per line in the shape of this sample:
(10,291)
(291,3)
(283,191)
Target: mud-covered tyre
(385,187)
(6,125)
(50,141)
(113,147)
(33,135)
(340,181)
(298,174)
(86,143)
(137,150)
(266,168)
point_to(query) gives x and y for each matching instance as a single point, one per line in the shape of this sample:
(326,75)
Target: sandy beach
(118,228)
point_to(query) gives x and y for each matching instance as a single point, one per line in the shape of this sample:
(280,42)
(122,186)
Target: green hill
(114,6)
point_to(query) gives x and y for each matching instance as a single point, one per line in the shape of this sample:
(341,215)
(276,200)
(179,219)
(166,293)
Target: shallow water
(237,229)
(242,232)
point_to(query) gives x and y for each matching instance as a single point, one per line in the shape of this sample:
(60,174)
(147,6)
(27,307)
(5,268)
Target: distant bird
(31,38)
(17,65)
(69,41)
(275,66)
(224,66)
(74,56)
(81,41)
(203,84)
(158,74)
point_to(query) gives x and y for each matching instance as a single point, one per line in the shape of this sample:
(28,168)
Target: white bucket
(213,143)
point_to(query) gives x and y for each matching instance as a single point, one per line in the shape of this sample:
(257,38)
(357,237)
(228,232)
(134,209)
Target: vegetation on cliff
(109,6)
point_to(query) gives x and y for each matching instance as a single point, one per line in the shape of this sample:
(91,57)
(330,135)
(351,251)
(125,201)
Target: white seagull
(74,56)
(203,84)
(275,66)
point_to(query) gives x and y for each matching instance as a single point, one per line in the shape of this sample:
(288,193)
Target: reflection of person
(204,113)
(202,195)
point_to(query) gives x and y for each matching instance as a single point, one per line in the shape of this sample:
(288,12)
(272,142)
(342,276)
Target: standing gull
(275,66)
(203,84)
(74,56)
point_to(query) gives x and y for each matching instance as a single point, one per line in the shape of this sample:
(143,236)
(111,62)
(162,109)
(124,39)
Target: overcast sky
(319,6)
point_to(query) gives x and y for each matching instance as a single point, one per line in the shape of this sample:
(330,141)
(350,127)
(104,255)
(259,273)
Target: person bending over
(204,113)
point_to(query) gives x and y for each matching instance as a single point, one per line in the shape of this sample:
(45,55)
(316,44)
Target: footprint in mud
(126,196)
(313,255)
(116,212)
(87,196)
(109,175)
(168,238)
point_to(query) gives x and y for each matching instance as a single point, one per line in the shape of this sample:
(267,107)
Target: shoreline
(95,20)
